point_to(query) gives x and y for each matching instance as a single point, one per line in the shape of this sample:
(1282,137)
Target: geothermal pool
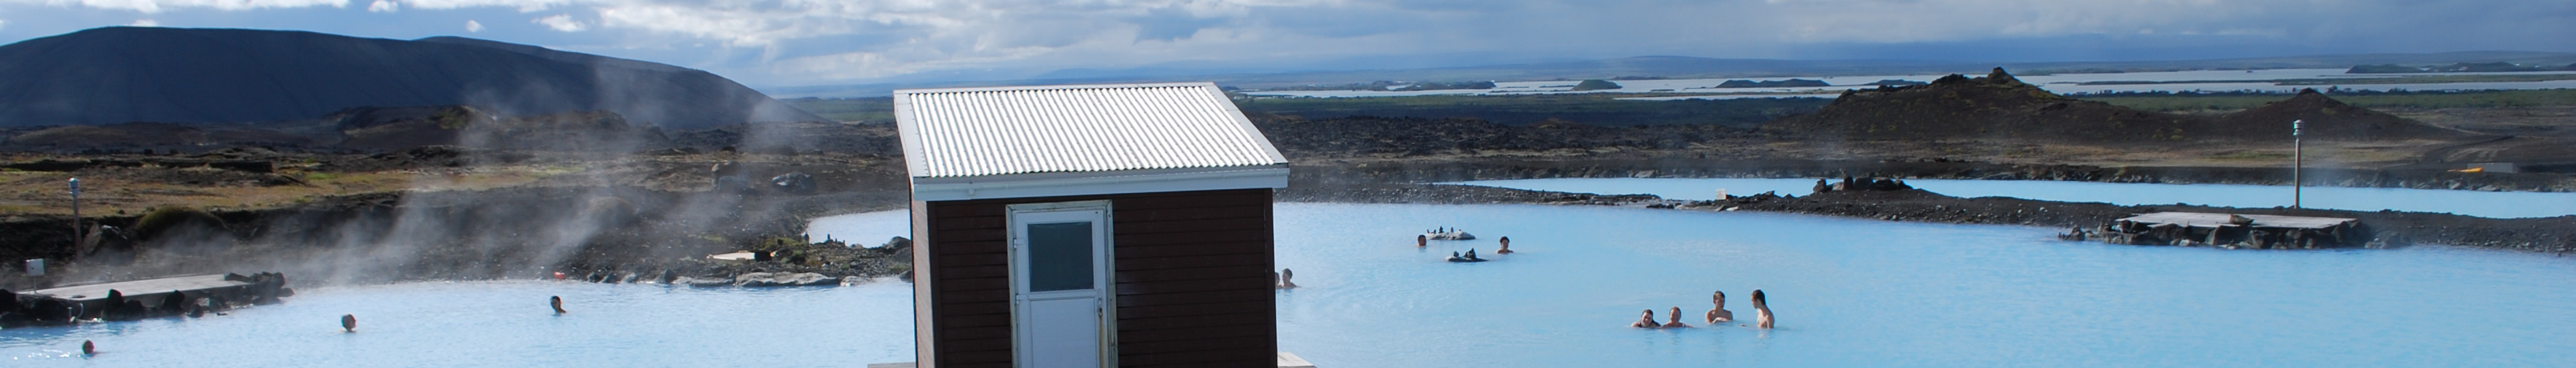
(1849,292)
(2464,202)
(506,324)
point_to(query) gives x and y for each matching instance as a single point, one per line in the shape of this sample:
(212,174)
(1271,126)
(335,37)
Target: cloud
(473,26)
(561,22)
(156,6)
(524,6)
(830,40)
(144,23)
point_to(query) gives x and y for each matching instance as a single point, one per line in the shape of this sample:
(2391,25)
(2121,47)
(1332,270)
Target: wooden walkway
(1286,360)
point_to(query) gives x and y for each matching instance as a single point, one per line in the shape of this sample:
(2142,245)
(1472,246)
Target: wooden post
(78,237)
(2298,163)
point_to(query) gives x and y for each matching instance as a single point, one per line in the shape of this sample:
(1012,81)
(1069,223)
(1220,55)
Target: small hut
(1124,225)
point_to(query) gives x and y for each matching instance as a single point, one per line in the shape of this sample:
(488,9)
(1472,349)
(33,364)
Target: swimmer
(1761,311)
(349,323)
(1421,241)
(1507,246)
(1719,315)
(88,348)
(558,303)
(1677,319)
(1646,321)
(1470,257)
(1286,277)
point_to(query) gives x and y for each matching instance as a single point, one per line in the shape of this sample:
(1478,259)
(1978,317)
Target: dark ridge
(1998,106)
(205,76)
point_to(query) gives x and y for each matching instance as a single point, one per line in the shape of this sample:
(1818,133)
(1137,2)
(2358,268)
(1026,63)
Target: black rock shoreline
(2394,228)
(664,248)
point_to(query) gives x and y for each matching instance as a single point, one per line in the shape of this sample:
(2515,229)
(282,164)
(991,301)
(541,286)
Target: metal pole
(78,237)
(2298,164)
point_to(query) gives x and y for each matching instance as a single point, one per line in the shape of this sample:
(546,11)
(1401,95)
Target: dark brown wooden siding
(1193,274)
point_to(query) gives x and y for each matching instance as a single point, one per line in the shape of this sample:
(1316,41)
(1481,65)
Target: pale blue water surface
(1850,293)
(506,324)
(2465,202)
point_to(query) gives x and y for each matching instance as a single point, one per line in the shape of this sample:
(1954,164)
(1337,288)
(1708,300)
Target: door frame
(1104,280)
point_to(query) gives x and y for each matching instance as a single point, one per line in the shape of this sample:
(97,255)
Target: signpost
(2298,163)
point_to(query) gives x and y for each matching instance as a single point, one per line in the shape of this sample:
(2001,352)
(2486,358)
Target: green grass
(1595,109)
(2513,98)
(871,110)
(2250,156)
(2410,79)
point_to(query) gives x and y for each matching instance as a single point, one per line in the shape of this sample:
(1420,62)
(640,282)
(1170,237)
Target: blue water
(1873,293)
(506,324)
(869,229)
(1849,293)
(2472,203)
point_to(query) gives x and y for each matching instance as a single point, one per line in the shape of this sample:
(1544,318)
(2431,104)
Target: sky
(777,43)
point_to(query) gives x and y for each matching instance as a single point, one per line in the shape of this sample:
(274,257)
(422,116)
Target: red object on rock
(559,275)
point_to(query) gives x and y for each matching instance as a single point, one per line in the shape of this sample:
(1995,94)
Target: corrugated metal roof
(1078,128)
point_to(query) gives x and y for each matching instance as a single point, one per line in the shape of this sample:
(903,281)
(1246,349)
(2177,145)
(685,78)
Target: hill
(1999,107)
(197,76)
(2329,119)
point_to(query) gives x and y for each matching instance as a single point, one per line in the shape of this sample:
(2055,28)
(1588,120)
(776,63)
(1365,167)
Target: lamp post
(2298,163)
(78,237)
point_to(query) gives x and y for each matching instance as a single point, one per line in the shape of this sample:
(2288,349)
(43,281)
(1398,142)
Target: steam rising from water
(595,209)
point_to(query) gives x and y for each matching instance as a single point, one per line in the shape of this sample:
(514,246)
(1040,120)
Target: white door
(1059,286)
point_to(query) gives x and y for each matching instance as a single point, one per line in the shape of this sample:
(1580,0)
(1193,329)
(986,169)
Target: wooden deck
(142,288)
(2204,219)
(2233,231)
(1286,360)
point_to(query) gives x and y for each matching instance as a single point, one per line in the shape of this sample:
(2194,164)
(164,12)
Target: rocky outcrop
(779,279)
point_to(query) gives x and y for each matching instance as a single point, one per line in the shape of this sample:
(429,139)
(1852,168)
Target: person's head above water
(1421,240)
(349,323)
(557,302)
(1719,298)
(1757,298)
(1646,320)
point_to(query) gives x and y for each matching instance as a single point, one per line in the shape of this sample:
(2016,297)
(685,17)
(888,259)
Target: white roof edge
(901,92)
(1095,183)
(908,135)
(1236,111)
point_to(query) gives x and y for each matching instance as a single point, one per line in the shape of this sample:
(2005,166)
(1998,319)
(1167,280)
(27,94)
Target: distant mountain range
(219,76)
(1693,67)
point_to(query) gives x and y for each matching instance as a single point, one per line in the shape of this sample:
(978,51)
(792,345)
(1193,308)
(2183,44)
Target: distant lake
(2059,83)
(2472,203)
